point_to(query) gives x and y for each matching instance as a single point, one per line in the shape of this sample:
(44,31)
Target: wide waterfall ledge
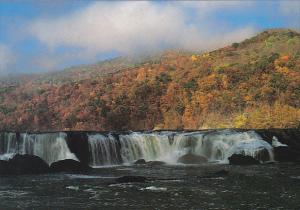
(107,149)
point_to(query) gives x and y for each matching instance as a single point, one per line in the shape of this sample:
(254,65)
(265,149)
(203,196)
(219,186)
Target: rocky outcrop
(238,159)
(24,164)
(28,164)
(192,159)
(78,144)
(140,162)
(286,154)
(69,166)
(290,137)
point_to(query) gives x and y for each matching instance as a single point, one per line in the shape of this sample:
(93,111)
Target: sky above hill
(43,36)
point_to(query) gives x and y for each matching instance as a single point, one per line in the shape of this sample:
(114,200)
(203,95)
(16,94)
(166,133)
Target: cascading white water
(103,150)
(51,147)
(161,146)
(151,146)
(8,147)
(215,146)
(169,146)
(219,145)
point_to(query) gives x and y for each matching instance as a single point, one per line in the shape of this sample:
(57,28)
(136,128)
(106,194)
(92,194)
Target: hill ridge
(251,84)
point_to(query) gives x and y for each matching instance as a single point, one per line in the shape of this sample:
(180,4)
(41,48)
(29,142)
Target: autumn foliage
(252,84)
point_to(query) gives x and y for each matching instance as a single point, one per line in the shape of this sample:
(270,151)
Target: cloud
(291,9)
(205,7)
(6,59)
(135,27)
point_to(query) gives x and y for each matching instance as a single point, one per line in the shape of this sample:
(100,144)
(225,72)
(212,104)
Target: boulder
(238,159)
(192,159)
(128,179)
(140,161)
(70,166)
(27,164)
(285,154)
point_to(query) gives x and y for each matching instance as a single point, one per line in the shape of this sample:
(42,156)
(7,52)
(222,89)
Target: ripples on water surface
(273,186)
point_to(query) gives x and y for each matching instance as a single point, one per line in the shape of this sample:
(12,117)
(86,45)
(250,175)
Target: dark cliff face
(78,144)
(291,137)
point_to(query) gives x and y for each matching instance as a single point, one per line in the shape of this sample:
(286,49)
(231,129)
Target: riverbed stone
(140,162)
(27,164)
(192,159)
(70,166)
(238,159)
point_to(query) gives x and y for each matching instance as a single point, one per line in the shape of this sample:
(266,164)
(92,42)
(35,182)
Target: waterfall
(113,149)
(216,146)
(103,150)
(219,145)
(151,146)
(51,147)
(8,145)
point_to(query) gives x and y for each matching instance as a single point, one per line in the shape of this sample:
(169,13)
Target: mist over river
(162,178)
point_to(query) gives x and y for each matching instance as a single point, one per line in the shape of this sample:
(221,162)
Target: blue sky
(41,36)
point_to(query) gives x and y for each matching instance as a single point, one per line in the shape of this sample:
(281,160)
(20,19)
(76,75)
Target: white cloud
(133,27)
(6,59)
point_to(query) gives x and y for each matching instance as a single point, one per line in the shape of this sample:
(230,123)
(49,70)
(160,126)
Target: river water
(213,185)
(267,186)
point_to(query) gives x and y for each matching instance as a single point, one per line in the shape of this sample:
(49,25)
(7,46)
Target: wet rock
(78,144)
(192,159)
(238,159)
(27,164)
(140,161)
(285,154)
(128,179)
(69,165)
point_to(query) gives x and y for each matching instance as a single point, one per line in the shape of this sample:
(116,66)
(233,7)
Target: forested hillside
(252,84)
